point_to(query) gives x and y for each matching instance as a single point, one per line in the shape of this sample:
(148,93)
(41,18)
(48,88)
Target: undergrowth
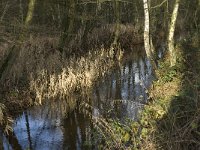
(38,71)
(171,118)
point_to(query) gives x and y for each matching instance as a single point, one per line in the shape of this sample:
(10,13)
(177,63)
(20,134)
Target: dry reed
(50,75)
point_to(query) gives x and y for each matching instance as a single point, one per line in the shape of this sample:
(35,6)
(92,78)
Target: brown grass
(50,75)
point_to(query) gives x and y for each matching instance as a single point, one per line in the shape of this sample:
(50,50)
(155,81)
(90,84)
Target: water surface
(60,124)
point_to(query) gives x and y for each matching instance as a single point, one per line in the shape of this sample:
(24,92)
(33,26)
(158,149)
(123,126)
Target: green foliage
(168,77)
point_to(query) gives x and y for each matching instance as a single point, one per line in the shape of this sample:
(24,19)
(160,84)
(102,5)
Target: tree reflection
(28,130)
(68,125)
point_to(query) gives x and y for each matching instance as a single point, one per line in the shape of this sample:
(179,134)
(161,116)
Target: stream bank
(171,120)
(76,122)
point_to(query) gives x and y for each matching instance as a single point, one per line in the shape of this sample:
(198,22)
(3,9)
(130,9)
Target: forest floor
(171,120)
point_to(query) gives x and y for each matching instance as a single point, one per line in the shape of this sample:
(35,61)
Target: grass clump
(5,120)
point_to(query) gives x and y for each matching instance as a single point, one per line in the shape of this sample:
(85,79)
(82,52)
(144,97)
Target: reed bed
(49,75)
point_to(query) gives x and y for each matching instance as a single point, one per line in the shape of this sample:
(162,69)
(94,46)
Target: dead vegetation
(40,69)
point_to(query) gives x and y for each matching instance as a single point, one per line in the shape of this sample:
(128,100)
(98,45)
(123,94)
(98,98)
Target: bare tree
(147,38)
(171,33)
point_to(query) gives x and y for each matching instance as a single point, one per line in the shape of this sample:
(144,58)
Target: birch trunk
(147,38)
(171,34)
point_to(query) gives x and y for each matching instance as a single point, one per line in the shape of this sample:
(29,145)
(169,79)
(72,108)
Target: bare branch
(4,11)
(102,1)
(159,5)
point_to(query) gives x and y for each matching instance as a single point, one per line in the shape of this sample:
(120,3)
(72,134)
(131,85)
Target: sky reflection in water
(57,125)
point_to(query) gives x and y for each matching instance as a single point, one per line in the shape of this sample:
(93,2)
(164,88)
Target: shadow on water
(62,125)
(179,127)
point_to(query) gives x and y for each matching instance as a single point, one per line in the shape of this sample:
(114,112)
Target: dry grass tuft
(5,120)
(75,75)
(50,75)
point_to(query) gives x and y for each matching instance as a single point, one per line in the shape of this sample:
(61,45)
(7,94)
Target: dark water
(63,125)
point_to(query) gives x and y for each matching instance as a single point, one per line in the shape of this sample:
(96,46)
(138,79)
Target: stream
(60,124)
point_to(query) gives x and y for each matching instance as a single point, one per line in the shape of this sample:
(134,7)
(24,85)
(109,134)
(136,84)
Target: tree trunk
(88,24)
(13,53)
(29,16)
(147,38)
(171,34)
(117,22)
(68,26)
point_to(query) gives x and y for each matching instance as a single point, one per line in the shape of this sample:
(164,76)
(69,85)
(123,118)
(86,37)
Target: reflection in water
(124,91)
(62,125)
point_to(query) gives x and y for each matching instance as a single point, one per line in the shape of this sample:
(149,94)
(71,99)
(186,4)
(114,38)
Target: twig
(4,11)
(159,5)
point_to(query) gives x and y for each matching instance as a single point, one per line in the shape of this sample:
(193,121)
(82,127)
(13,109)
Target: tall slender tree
(147,38)
(171,34)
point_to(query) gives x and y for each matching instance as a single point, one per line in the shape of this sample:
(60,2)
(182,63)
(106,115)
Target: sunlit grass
(50,75)
(5,120)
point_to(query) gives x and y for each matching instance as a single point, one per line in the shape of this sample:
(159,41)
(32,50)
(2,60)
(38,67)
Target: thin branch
(102,1)
(159,5)
(4,12)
